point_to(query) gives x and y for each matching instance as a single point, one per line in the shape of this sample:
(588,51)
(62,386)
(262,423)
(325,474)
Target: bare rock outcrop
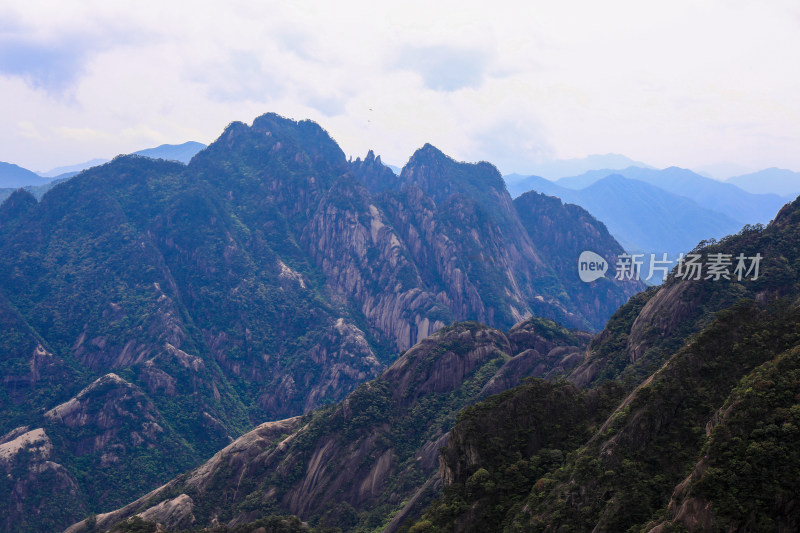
(35,483)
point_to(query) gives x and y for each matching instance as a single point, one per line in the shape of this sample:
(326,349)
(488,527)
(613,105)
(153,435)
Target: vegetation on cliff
(702,438)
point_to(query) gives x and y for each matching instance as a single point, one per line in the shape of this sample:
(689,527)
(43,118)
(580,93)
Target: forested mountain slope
(262,280)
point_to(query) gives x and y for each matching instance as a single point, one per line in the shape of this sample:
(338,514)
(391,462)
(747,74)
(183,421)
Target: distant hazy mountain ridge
(173,152)
(723,197)
(13,176)
(652,212)
(771,180)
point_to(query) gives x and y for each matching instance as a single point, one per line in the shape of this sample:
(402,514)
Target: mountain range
(559,168)
(653,212)
(723,197)
(644,218)
(72,169)
(152,312)
(13,177)
(173,152)
(681,415)
(275,338)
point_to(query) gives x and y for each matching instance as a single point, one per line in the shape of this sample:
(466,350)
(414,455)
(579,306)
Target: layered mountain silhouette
(559,168)
(150,306)
(643,217)
(71,170)
(770,180)
(13,176)
(723,197)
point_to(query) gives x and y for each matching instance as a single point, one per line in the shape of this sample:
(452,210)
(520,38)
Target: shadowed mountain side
(561,232)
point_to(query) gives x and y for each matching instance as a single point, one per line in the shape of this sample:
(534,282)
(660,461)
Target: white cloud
(686,83)
(444,68)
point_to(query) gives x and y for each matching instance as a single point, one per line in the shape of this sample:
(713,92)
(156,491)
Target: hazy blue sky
(688,83)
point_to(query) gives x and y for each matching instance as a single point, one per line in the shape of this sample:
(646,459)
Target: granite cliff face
(366,264)
(489,259)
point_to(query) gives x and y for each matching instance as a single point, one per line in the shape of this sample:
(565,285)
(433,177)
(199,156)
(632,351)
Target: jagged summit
(371,158)
(376,176)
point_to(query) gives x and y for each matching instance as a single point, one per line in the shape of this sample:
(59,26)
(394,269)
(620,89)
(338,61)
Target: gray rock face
(175,513)
(443,241)
(113,416)
(34,486)
(371,450)
(366,263)
(659,317)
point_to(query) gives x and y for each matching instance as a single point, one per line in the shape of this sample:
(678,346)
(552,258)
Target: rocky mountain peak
(372,159)
(305,134)
(440,175)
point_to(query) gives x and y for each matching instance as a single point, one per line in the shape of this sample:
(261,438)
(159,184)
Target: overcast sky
(688,83)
